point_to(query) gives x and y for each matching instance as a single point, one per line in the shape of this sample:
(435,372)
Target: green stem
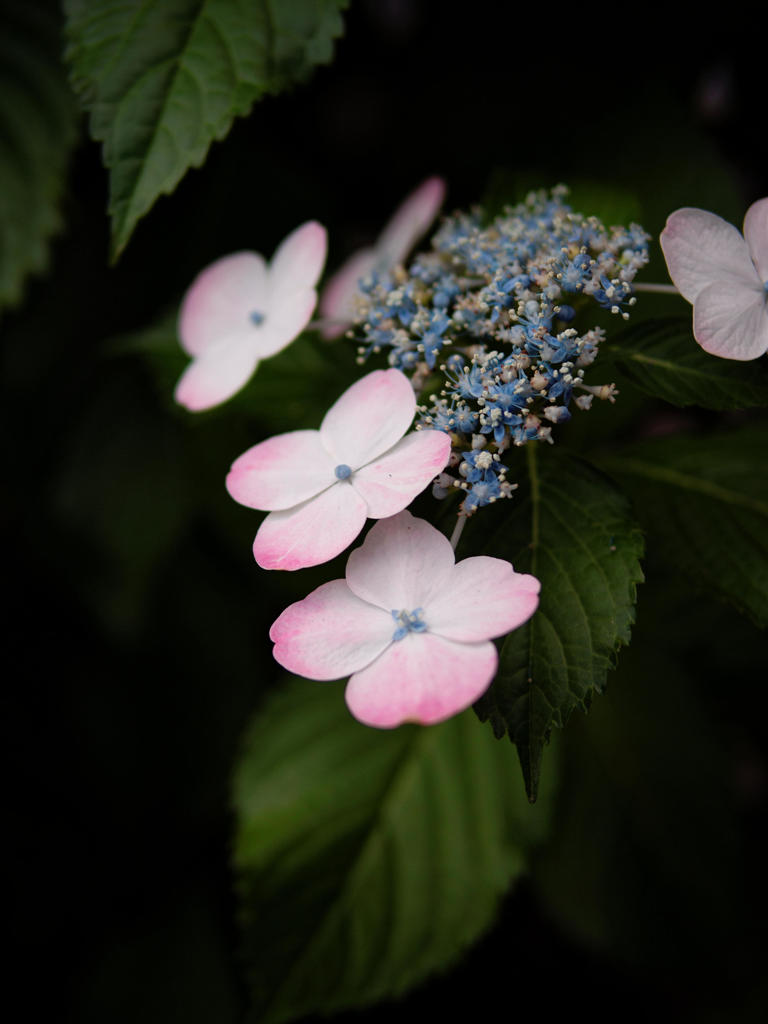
(533,476)
(663,289)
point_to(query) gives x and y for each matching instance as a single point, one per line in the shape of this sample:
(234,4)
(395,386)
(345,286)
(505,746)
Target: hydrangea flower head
(240,310)
(407,225)
(724,274)
(501,308)
(319,486)
(411,627)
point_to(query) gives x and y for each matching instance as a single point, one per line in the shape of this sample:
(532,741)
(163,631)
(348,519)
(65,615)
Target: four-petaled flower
(402,232)
(412,627)
(239,311)
(319,486)
(724,275)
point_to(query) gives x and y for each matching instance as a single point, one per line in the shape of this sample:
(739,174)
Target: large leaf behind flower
(704,503)
(572,529)
(38,120)
(367,859)
(163,80)
(662,358)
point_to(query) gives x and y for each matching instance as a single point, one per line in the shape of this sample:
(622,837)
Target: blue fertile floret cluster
(495,308)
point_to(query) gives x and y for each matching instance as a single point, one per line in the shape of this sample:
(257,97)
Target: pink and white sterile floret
(320,486)
(724,274)
(407,225)
(411,627)
(240,310)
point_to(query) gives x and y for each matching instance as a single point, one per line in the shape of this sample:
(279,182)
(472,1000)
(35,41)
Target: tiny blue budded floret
(497,308)
(342,471)
(408,622)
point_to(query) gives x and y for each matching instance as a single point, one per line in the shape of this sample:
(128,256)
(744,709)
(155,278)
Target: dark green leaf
(38,119)
(646,864)
(704,502)
(163,80)
(367,859)
(573,530)
(662,358)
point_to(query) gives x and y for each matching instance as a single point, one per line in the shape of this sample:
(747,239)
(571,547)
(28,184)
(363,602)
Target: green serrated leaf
(367,859)
(162,81)
(704,503)
(573,530)
(662,358)
(38,120)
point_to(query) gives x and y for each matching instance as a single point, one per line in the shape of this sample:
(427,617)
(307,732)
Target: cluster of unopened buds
(485,324)
(493,309)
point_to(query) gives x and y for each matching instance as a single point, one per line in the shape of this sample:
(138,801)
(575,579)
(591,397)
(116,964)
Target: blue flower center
(408,622)
(257,318)
(342,471)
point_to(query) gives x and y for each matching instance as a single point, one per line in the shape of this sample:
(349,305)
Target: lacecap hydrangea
(498,308)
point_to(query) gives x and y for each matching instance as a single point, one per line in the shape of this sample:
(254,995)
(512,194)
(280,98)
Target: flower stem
(533,477)
(665,289)
(457,531)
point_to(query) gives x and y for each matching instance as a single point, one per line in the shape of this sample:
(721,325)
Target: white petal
(756,234)
(311,533)
(701,248)
(339,298)
(369,418)
(281,472)
(218,374)
(392,481)
(485,598)
(404,563)
(732,320)
(410,221)
(219,302)
(298,262)
(421,678)
(330,633)
(285,321)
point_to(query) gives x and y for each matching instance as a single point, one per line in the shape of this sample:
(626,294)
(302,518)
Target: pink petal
(392,481)
(701,248)
(484,598)
(339,298)
(220,301)
(313,532)
(369,418)
(756,234)
(421,678)
(731,320)
(410,221)
(330,633)
(218,374)
(285,321)
(282,471)
(403,563)
(298,261)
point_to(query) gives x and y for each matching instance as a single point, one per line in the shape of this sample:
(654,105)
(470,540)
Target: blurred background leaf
(368,859)
(662,359)
(658,817)
(38,128)
(704,501)
(163,81)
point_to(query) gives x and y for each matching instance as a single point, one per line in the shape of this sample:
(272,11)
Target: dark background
(137,620)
